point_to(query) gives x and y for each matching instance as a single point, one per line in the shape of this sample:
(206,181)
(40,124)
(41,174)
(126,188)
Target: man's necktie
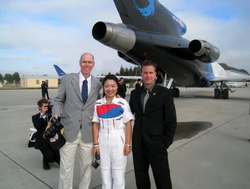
(84,91)
(145,99)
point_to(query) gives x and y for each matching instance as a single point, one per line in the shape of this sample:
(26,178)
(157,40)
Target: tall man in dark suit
(154,129)
(75,102)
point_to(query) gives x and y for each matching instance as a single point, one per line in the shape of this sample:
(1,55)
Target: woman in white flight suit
(111,115)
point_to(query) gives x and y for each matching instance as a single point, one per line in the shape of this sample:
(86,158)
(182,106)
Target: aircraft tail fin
(59,71)
(149,15)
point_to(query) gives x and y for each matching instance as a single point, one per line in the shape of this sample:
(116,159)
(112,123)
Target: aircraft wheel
(217,93)
(225,93)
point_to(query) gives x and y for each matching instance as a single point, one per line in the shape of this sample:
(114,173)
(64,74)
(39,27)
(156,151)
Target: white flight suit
(111,119)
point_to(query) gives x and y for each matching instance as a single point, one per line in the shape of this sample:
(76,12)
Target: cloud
(57,33)
(37,34)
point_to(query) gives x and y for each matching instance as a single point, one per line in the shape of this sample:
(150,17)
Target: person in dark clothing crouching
(40,122)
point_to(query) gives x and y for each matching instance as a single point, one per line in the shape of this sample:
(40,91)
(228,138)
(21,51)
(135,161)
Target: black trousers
(50,155)
(45,92)
(159,165)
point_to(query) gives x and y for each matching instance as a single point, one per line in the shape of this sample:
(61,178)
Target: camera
(95,163)
(55,127)
(49,111)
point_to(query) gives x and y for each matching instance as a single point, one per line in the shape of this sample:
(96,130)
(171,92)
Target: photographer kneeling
(40,122)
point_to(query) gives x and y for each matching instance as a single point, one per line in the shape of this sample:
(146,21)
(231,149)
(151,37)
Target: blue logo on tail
(146,11)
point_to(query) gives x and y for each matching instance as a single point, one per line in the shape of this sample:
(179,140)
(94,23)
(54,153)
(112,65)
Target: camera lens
(53,120)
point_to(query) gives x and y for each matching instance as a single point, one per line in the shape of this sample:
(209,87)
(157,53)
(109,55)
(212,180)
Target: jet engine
(116,36)
(204,51)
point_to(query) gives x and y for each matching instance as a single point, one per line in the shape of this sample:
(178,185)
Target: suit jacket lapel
(93,85)
(75,84)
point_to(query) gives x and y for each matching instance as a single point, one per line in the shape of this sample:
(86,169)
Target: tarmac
(210,150)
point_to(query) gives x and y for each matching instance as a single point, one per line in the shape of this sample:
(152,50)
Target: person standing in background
(44,87)
(122,88)
(138,84)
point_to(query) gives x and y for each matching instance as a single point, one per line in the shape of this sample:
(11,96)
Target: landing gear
(221,92)
(225,94)
(217,93)
(171,86)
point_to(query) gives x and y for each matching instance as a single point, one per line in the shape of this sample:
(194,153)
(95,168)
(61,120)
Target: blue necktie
(84,91)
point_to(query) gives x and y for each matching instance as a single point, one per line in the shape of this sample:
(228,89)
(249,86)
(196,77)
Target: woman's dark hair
(111,77)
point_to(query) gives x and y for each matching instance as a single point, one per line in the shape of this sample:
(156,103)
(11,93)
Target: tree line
(132,71)
(10,78)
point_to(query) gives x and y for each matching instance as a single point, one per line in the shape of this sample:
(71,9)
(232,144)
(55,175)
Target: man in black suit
(40,122)
(154,129)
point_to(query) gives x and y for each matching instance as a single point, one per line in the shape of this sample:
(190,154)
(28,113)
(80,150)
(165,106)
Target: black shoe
(46,167)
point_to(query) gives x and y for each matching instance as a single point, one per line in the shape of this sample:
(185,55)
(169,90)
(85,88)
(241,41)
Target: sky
(35,34)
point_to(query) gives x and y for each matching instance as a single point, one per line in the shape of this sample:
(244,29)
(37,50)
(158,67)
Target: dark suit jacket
(122,90)
(40,124)
(158,124)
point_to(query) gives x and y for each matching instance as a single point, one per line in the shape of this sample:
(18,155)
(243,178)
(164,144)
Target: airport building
(36,81)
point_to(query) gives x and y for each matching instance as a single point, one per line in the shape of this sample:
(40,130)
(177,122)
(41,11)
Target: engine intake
(204,51)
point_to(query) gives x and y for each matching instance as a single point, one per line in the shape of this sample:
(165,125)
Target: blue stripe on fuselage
(209,71)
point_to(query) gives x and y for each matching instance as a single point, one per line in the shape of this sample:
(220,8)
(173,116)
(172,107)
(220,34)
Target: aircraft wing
(223,72)
(231,78)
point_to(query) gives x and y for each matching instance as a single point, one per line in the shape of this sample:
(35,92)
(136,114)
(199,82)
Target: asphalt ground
(210,150)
